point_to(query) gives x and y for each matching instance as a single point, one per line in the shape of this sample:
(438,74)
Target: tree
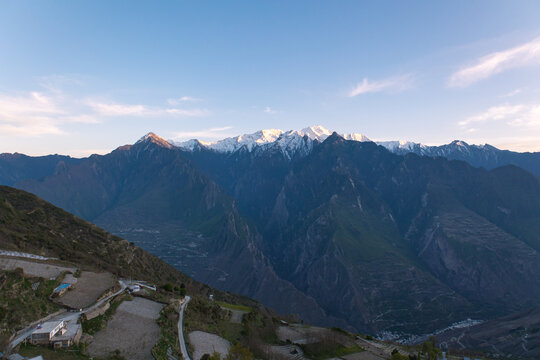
(214,356)
(429,348)
(397,356)
(239,352)
(168,287)
(183,290)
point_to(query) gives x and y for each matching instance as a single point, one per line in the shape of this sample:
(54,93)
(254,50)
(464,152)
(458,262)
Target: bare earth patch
(206,343)
(32,268)
(237,315)
(87,289)
(132,330)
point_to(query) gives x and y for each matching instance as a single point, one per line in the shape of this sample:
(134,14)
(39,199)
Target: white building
(56,333)
(44,333)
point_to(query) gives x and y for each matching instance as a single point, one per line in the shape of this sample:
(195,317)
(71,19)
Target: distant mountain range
(293,143)
(340,232)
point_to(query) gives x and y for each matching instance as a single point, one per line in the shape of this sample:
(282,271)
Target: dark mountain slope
(148,193)
(368,233)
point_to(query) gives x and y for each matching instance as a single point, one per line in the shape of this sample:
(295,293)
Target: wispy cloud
(507,126)
(46,112)
(501,112)
(269,110)
(212,133)
(183,99)
(113,109)
(513,93)
(526,116)
(393,84)
(36,113)
(110,109)
(496,62)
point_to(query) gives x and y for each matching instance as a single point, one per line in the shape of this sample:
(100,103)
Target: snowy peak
(356,137)
(400,146)
(289,143)
(155,139)
(316,132)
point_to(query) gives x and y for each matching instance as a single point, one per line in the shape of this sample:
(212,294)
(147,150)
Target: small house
(44,333)
(71,336)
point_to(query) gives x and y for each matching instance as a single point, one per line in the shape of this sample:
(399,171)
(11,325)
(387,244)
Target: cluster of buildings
(56,333)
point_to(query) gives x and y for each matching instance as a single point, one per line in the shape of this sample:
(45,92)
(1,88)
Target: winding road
(183,347)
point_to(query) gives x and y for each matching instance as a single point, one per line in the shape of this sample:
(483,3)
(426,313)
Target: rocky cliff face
(148,193)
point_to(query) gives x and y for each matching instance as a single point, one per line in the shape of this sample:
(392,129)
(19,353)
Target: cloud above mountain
(392,84)
(49,109)
(496,62)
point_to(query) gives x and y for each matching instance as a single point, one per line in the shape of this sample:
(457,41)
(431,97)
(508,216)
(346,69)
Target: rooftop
(71,328)
(62,286)
(47,327)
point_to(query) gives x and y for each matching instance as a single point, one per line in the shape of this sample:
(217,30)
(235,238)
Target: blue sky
(82,77)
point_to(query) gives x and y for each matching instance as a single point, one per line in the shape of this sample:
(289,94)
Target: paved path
(183,347)
(66,316)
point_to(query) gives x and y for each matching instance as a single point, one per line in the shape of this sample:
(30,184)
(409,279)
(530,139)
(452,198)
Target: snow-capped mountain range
(294,143)
(290,142)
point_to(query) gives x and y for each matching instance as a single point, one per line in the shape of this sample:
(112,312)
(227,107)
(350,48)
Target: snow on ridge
(289,142)
(399,145)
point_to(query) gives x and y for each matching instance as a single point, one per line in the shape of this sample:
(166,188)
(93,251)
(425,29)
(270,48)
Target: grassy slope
(30,224)
(20,304)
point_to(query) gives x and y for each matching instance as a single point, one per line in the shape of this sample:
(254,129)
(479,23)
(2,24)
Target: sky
(83,77)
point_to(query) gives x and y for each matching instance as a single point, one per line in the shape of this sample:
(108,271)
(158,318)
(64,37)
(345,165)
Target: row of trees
(175,289)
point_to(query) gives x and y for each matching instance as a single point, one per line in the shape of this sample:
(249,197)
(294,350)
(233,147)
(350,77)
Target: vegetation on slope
(32,225)
(20,304)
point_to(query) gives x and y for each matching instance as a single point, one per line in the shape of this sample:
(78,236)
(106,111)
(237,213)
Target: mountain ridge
(293,143)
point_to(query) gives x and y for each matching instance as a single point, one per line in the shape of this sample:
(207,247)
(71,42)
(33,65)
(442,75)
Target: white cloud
(187,112)
(112,109)
(183,99)
(508,126)
(393,84)
(501,112)
(496,62)
(46,112)
(269,110)
(513,93)
(35,113)
(511,126)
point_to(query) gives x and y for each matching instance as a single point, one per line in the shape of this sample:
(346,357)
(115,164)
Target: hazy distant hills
(15,167)
(485,156)
(339,231)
